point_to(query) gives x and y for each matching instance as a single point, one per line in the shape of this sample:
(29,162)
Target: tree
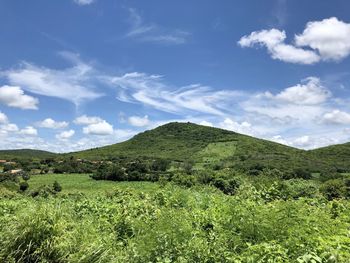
(57,187)
(160,165)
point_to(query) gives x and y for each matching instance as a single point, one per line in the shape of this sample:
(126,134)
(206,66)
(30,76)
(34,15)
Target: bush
(23,186)
(57,187)
(333,189)
(227,186)
(160,165)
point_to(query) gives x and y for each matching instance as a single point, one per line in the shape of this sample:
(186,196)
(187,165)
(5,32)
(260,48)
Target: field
(101,221)
(82,183)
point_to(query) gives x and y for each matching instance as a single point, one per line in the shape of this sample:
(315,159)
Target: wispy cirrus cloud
(75,84)
(84,2)
(152,32)
(153,91)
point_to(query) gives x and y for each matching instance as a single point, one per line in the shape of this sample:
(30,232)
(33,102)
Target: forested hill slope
(207,145)
(25,153)
(337,155)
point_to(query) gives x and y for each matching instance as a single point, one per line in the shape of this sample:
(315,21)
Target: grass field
(73,183)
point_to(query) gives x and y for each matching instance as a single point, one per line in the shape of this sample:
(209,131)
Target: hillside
(337,155)
(206,145)
(25,153)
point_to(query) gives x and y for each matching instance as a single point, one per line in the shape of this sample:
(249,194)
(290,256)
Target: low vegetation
(179,193)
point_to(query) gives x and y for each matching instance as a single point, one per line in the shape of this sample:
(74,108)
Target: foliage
(23,186)
(171,224)
(56,186)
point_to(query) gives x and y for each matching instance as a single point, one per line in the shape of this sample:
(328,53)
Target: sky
(79,74)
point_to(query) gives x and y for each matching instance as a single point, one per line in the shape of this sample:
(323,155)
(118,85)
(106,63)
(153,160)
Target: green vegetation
(25,153)
(121,222)
(178,193)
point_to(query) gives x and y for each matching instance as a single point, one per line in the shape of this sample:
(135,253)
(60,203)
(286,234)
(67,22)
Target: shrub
(23,186)
(57,187)
(160,165)
(333,189)
(227,186)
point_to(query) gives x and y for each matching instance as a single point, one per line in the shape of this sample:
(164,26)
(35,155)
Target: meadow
(105,221)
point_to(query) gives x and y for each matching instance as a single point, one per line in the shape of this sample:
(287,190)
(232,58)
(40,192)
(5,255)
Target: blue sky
(76,74)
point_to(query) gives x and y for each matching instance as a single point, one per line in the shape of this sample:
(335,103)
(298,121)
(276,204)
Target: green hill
(204,145)
(25,153)
(337,155)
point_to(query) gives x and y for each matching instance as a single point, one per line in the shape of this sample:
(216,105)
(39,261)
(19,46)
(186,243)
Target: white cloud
(87,120)
(326,40)
(65,135)
(75,84)
(311,92)
(273,40)
(101,128)
(9,127)
(14,97)
(303,102)
(337,117)
(243,127)
(206,123)
(3,118)
(52,124)
(302,142)
(151,90)
(29,130)
(330,37)
(139,121)
(84,2)
(153,32)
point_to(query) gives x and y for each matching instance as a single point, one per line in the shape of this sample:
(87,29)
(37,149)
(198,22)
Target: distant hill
(337,155)
(25,153)
(206,145)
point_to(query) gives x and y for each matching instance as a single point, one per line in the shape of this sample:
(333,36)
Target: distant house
(16,171)
(3,161)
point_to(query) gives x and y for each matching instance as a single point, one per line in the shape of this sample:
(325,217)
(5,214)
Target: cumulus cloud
(75,84)
(243,127)
(300,103)
(101,128)
(84,2)
(326,40)
(52,124)
(273,40)
(3,118)
(13,96)
(310,92)
(337,117)
(29,130)
(330,37)
(152,32)
(87,120)
(139,121)
(206,123)
(9,127)
(65,135)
